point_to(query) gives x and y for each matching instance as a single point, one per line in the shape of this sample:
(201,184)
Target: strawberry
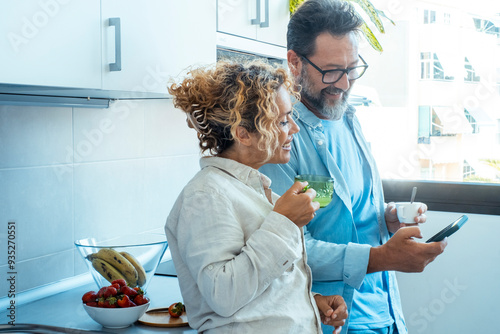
(126,290)
(90,296)
(125,301)
(141,299)
(115,295)
(100,302)
(109,292)
(120,282)
(110,302)
(100,293)
(175,310)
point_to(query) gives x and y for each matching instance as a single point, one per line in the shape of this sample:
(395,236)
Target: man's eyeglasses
(332,76)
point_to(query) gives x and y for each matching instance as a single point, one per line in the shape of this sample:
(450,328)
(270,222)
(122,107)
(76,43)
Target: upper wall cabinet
(262,20)
(160,39)
(102,48)
(51,43)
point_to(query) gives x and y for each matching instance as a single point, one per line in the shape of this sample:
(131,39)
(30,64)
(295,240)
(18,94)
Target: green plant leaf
(293,4)
(371,37)
(382,13)
(492,163)
(372,13)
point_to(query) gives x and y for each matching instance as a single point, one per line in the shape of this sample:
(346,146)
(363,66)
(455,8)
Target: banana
(119,262)
(109,272)
(141,273)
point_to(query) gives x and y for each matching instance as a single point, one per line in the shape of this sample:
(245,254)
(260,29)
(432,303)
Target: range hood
(68,97)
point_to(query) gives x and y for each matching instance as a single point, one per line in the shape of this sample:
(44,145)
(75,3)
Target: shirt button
(320,142)
(210,267)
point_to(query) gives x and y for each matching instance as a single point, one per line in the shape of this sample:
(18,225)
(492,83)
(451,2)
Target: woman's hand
(297,205)
(333,311)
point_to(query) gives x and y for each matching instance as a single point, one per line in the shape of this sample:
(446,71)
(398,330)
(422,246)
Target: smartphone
(449,230)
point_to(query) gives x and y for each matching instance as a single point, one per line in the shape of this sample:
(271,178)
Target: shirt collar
(241,172)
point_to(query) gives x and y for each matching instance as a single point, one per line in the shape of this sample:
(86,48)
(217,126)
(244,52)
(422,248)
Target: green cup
(323,185)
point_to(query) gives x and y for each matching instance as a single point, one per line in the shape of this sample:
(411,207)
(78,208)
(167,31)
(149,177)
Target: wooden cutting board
(159,317)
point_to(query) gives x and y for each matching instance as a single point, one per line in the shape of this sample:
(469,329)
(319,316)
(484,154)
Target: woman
(237,247)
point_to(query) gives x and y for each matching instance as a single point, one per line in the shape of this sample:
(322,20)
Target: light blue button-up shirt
(337,259)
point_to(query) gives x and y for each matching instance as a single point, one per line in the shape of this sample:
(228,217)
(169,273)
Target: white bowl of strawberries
(116,305)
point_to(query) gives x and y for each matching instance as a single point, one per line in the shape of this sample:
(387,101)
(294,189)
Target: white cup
(407,211)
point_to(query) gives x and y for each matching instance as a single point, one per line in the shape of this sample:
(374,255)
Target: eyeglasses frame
(344,71)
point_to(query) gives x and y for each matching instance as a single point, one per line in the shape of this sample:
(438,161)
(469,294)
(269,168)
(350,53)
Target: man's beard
(333,112)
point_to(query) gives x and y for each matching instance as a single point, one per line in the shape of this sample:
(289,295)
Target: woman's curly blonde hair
(220,98)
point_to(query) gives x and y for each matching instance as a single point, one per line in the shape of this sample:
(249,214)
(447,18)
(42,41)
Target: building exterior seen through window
(433,93)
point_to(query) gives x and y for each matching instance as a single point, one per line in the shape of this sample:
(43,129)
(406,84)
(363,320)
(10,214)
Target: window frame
(466,197)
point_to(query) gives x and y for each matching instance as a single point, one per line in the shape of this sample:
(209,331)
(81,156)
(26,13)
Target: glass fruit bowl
(130,257)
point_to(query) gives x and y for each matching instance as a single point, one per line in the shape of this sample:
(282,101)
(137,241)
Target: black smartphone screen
(449,230)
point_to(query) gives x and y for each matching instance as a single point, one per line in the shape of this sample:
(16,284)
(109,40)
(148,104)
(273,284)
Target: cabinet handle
(117,65)
(256,20)
(265,24)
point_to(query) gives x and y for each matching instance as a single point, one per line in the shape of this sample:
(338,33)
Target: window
(441,131)
(447,18)
(424,124)
(425,65)
(472,121)
(433,16)
(438,72)
(468,171)
(486,26)
(431,67)
(429,16)
(440,121)
(470,73)
(436,125)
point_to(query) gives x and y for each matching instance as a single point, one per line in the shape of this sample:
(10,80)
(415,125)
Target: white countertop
(65,309)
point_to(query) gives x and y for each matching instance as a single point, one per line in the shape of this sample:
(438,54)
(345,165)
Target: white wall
(71,173)
(460,291)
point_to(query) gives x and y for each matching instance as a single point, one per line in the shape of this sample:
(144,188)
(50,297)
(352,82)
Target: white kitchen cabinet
(159,40)
(50,43)
(65,48)
(262,20)
(279,15)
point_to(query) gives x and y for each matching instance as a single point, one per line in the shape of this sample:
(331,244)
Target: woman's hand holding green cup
(323,185)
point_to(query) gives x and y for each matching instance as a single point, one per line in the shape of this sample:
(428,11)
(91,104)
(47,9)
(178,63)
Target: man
(355,244)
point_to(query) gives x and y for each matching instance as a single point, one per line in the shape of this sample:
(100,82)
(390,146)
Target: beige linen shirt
(241,266)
